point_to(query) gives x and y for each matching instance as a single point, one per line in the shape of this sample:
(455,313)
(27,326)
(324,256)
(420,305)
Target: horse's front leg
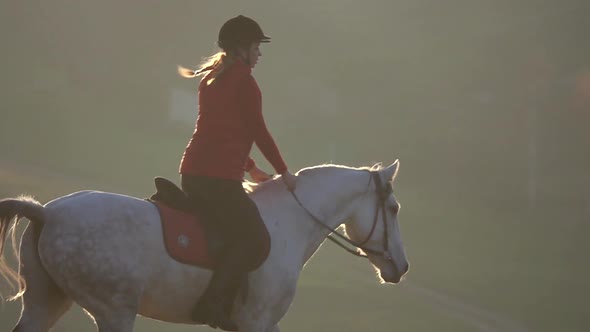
(263,312)
(269,299)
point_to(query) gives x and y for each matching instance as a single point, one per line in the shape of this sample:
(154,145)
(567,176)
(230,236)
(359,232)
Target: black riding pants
(232,212)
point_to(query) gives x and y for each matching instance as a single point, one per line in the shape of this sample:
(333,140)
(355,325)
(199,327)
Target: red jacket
(230,120)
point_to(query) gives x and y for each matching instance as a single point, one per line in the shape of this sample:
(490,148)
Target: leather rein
(382,192)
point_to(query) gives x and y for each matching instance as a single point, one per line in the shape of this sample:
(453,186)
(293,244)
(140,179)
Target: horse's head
(374,225)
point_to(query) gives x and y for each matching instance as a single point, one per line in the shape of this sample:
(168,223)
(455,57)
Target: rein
(334,235)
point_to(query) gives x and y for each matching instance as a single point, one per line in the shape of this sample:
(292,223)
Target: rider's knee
(259,248)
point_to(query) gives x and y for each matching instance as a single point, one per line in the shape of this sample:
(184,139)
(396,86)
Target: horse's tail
(10,208)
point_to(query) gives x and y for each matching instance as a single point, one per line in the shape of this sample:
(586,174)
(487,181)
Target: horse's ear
(391,171)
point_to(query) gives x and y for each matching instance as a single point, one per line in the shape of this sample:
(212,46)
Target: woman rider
(230,120)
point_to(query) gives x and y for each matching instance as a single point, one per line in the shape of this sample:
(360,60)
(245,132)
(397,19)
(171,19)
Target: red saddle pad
(184,236)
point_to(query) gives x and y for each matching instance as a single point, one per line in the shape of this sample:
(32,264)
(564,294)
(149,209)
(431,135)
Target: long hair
(218,63)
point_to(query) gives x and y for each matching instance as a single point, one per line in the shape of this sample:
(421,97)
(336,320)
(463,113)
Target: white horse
(105,251)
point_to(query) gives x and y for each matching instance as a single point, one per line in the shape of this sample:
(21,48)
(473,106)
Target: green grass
(479,257)
(525,268)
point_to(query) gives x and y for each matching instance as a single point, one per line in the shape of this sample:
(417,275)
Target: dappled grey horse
(105,251)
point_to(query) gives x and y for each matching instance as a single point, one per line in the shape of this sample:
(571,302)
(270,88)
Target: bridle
(383,191)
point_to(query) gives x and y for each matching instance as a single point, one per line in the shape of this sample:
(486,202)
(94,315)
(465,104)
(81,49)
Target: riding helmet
(240,31)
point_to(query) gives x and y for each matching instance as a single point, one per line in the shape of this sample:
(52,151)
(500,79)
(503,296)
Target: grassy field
(487,106)
(473,268)
(482,258)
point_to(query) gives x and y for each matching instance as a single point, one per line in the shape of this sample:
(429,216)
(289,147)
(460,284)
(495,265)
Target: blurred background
(485,103)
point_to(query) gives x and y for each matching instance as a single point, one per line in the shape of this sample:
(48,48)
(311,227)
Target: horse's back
(100,216)
(93,199)
(93,208)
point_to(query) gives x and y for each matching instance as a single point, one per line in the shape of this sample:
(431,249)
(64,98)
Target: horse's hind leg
(115,308)
(43,302)
(41,310)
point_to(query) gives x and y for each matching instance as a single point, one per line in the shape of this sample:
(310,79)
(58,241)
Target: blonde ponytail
(218,63)
(186,73)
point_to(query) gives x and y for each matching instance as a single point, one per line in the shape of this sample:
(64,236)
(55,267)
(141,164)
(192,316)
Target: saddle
(188,236)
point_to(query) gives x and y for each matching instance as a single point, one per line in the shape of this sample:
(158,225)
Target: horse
(104,251)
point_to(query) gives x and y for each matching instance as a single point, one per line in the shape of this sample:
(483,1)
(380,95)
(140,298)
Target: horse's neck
(328,198)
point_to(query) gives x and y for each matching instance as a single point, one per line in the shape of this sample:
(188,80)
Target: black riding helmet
(240,31)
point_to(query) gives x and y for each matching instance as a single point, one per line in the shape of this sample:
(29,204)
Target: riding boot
(212,308)
(232,293)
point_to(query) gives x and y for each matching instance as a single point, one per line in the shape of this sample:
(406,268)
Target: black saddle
(168,193)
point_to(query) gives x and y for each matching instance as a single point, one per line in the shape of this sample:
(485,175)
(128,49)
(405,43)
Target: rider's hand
(258,175)
(290,180)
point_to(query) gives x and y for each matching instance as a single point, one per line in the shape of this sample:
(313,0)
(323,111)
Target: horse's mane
(252,187)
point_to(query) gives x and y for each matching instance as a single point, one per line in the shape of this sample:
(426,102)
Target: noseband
(383,191)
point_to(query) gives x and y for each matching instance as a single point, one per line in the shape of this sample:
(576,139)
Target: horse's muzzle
(396,276)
